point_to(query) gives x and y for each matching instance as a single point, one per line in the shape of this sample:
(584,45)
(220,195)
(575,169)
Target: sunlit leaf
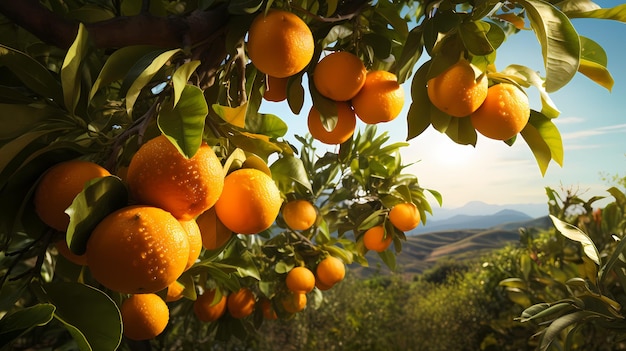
(181,77)
(146,76)
(461,131)
(617,13)
(288,170)
(411,52)
(16,323)
(560,44)
(556,327)
(573,233)
(544,140)
(515,20)
(183,124)
(70,71)
(233,115)
(267,124)
(118,64)
(99,198)
(76,305)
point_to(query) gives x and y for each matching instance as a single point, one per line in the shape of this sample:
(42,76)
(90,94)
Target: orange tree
(96,80)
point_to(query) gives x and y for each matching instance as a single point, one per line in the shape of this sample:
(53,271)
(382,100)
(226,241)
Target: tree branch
(142,29)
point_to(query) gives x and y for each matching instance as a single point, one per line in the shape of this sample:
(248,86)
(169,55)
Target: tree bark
(142,29)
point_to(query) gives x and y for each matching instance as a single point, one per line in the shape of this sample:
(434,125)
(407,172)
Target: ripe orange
(137,249)
(276,89)
(59,186)
(159,175)
(346,123)
(194,237)
(174,292)
(405,216)
(65,251)
(380,99)
(457,91)
(144,316)
(300,280)
(294,302)
(299,214)
(504,113)
(267,309)
(330,271)
(375,239)
(321,286)
(214,232)
(207,309)
(250,201)
(241,303)
(339,76)
(280,44)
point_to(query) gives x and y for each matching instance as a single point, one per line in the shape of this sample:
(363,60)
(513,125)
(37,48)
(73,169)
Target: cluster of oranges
(404,216)
(280,45)
(498,112)
(177,206)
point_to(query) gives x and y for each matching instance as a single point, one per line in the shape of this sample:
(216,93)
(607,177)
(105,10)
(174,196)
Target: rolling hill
(422,251)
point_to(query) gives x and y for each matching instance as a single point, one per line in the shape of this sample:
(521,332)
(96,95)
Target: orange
(209,309)
(346,123)
(459,90)
(65,251)
(339,76)
(59,186)
(241,303)
(294,302)
(137,249)
(194,237)
(300,280)
(276,89)
(267,309)
(375,239)
(174,292)
(405,216)
(144,316)
(299,214)
(280,44)
(214,232)
(330,271)
(380,99)
(504,113)
(250,201)
(159,175)
(321,286)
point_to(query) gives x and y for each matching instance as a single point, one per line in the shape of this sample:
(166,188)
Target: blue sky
(592,124)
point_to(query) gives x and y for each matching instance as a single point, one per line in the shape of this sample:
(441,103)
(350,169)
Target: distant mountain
(479,208)
(465,221)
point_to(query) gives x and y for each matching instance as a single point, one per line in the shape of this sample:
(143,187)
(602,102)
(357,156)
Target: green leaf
(474,37)
(118,65)
(17,323)
(33,74)
(556,327)
(617,13)
(289,170)
(411,52)
(181,77)
(13,148)
(331,7)
(461,131)
(146,76)
(18,119)
(389,258)
(544,140)
(99,198)
(90,316)
(243,7)
(560,44)
(295,94)
(418,117)
(70,71)
(266,124)
(183,124)
(573,233)
(593,63)
(545,310)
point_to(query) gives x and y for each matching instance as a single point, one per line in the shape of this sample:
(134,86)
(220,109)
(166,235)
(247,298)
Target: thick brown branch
(143,29)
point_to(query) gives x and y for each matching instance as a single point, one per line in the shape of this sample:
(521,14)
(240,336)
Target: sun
(450,154)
